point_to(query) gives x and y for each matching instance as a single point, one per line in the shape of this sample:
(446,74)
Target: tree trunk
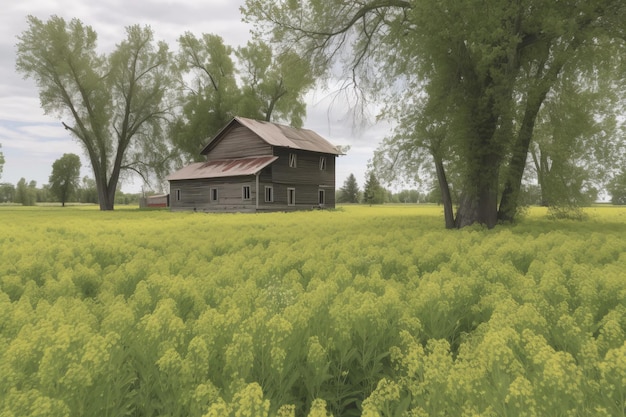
(106,198)
(479,204)
(513,183)
(545,78)
(479,199)
(446,198)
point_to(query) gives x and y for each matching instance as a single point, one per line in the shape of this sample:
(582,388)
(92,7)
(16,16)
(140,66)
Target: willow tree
(488,65)
(114,104)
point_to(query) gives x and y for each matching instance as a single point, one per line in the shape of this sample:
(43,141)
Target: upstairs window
(322,163)
(293,160)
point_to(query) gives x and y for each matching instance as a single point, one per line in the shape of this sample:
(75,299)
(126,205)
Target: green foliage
(463,83)
(373,192)
(1,161)
(350,192)
(115,104)
(273,83)
(185,314)
(7,192)
(265,85)
(617,189)
(64,180)
(26,194)
(87,192)
(212,97)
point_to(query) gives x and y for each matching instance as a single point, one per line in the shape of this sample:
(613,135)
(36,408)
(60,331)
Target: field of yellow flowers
(373,311)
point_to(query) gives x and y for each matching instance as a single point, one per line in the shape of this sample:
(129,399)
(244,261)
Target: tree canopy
(114,104)
(65,178)
(482,70)
(373,192)
(617,189)
(259,84)
(350,192)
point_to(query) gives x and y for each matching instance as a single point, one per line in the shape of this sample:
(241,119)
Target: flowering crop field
(373,311)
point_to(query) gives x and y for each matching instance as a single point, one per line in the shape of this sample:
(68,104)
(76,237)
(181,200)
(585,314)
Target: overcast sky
(32,141)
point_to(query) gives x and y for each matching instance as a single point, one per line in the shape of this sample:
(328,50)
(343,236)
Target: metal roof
(222,168)
(280,135)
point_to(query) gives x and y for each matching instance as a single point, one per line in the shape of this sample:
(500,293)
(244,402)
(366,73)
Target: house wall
(307,170)
(306,196)
(239,142)
(196,194)
(306,178)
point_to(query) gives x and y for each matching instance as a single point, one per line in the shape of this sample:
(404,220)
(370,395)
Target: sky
(31,141)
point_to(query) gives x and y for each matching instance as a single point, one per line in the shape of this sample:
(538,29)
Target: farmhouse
(254,166)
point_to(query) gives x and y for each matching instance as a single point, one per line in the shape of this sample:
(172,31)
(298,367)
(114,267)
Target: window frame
(214,195)
(178,194)
(293,160)
(291,196)
(322,163)
(321,197)
(269,189)
(246,193)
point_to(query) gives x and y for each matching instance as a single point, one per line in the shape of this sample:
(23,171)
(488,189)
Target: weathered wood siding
(307,178)
(307,197)
(196,194)
(307,170)
(239,142)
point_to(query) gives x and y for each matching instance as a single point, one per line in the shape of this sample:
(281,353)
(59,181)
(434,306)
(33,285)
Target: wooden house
(254,166)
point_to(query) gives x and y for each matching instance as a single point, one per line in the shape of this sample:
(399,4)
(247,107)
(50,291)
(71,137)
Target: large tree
(208,95)
(273,84)
(259,84)
(488,67)
(114,104)
(65,178)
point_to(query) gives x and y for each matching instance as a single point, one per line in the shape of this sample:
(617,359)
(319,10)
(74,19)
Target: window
(321,197)
(245,192)
(269,194)
(214,195)
(322,163)
(293,160)
(291,196)
(177,195)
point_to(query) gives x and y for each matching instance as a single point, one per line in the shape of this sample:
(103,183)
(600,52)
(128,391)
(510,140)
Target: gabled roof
(279,135)
(222,168)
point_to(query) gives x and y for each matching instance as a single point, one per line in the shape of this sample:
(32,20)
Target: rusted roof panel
(281,136)
(222,168)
